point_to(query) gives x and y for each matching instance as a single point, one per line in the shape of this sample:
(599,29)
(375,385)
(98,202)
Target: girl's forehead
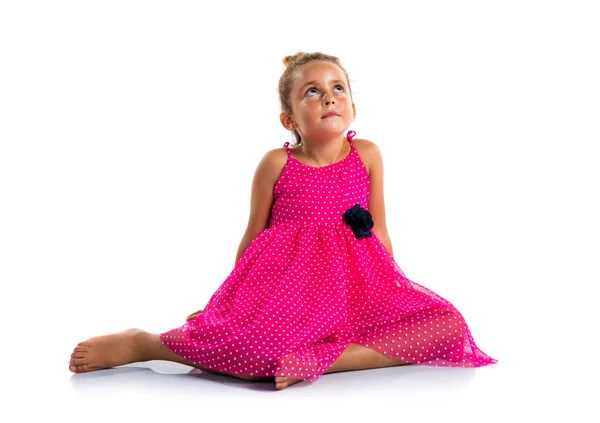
(319,70)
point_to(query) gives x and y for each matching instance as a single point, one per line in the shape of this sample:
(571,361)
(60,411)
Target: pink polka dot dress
(307,286)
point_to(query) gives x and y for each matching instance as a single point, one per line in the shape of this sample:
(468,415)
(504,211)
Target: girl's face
(320,100)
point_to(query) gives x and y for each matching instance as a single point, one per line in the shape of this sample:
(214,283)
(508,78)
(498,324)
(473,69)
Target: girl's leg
(357,357)
(354,357)
(129,346)
(135,345)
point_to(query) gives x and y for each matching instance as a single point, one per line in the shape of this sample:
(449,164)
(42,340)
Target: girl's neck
(324,152)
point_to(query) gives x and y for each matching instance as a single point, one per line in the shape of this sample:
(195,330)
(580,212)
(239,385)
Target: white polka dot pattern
(306,287)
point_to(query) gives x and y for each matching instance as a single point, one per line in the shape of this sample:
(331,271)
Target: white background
(130,132)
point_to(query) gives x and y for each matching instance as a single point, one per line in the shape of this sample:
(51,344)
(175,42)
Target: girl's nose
(328,100)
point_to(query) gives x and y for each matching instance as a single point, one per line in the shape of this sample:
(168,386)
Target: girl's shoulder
(273,162)
(362,143)
(368,152)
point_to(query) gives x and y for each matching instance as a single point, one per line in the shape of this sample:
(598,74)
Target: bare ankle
(141,343)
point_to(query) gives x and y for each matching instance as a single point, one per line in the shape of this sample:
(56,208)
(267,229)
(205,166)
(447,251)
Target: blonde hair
(293,63)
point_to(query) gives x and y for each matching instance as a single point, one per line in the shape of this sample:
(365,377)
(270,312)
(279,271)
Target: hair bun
(289,60)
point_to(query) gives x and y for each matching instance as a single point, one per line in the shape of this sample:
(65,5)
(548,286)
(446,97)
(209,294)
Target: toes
(281,382)
(80,351)
(78,361)
(79,369)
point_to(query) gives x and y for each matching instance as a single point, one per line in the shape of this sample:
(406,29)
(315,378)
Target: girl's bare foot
(282,382)
(193,315)
(107,351)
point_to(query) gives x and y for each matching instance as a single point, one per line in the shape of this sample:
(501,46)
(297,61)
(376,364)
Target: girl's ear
(287,121)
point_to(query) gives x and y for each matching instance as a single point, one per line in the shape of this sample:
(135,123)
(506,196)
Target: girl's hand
(193,315)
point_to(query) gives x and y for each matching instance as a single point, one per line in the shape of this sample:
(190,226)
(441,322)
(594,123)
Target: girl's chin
(333,127)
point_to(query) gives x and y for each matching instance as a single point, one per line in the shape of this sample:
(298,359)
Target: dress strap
(350,135)
(287,148)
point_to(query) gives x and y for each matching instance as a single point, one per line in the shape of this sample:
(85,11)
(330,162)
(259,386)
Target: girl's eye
(315,91)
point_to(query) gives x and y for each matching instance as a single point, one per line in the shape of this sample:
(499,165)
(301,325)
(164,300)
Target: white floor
(513,390)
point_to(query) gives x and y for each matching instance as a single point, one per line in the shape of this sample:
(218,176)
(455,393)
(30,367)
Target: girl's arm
(376,200)
(261,198)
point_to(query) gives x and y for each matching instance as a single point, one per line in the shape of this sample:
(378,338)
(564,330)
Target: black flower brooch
(359,220)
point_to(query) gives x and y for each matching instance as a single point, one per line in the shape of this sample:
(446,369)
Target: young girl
(316,288)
